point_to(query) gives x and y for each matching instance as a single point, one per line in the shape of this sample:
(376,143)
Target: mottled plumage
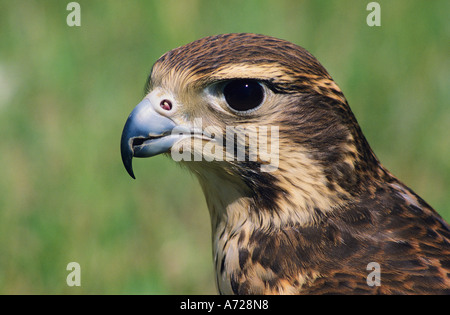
(329,209)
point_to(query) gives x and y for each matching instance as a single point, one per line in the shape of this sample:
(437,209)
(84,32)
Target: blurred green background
(65,93)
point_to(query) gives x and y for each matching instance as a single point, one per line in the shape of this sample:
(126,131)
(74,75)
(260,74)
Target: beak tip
(130,172)
(129,167)
(127,156)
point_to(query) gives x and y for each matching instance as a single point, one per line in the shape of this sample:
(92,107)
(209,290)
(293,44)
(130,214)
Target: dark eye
(243,95)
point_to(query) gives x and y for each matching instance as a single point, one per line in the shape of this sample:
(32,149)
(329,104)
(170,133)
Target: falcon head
(255,118)
(298,201)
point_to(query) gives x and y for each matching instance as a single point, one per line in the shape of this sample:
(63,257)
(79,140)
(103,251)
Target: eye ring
(243,95)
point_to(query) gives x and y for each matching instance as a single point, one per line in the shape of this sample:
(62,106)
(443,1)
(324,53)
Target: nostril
(166,104)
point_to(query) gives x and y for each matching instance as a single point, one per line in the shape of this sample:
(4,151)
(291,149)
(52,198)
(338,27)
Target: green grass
(65,94)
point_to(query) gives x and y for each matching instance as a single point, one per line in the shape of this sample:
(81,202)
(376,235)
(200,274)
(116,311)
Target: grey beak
(146,133)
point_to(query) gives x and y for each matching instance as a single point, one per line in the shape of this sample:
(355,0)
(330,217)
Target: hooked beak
(147,133)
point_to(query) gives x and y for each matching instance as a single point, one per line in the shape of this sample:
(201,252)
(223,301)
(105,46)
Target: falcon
(299,203)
